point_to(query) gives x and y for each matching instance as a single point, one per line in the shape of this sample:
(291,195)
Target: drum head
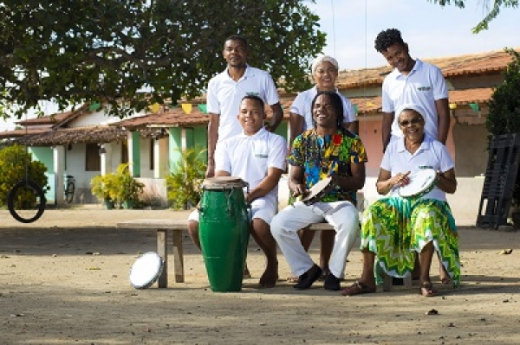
(223,182)
(318,191)
(145,271)
(420,182)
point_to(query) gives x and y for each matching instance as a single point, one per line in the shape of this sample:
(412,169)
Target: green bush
(13,162)
(183,184)
(504,109)
(125,187)
(118,186)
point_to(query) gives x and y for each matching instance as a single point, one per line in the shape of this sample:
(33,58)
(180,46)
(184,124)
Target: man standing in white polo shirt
(226,90)
(411,82)
(257,157)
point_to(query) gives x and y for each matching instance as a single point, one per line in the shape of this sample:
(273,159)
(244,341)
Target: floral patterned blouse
(323,156)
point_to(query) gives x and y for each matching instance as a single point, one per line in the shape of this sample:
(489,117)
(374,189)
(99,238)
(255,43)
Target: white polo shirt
(303,102)
(249,157)
(224,97)
(431,153)
(422,86)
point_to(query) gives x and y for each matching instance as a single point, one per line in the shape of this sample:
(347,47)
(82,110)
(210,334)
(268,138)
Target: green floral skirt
(395,229)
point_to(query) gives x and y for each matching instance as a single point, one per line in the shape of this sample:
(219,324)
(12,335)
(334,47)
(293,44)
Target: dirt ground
(64,280)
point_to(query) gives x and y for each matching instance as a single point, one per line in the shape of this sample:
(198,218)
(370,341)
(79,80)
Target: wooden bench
(176,227)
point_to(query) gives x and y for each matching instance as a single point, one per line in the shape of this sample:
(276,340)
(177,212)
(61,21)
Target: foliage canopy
(504,105)
(106,51)
(493,8)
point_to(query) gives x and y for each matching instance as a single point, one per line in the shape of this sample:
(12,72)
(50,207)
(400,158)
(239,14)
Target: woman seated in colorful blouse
(395,228)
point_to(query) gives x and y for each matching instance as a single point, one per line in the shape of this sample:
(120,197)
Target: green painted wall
(136,154)
(201,140)
(45,155)
(282,129)
(174,151)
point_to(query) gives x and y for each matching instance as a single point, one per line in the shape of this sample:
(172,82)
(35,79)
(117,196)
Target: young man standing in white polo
(226,90)
(411,82)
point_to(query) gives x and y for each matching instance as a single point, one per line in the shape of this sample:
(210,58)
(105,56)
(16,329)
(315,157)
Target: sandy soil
(64,280)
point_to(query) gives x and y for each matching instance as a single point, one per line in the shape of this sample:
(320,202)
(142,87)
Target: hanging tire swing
(26,211)
(26,200)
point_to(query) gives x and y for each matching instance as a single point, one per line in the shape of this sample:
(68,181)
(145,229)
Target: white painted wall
(144,153)
(154,191)
(98,118)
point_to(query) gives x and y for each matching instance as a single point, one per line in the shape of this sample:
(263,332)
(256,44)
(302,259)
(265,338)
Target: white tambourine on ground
(422,182)
(146,270)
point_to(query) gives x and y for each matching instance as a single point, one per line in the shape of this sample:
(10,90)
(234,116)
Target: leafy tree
(493,12)
(504,105)
(105,51)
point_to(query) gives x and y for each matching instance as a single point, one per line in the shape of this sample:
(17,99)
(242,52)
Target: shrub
(183,184)
(119,186)
(125,187)
(15,162)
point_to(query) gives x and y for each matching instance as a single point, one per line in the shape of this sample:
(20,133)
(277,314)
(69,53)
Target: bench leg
(388,282)
(178,258)
(162,250)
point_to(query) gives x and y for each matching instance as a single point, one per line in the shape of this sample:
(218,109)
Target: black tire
(69,192)
(12,195)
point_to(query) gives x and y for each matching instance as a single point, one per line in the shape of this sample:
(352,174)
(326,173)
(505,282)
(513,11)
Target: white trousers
(342,215)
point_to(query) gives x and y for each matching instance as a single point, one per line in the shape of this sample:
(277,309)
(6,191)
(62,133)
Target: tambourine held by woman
(422,182)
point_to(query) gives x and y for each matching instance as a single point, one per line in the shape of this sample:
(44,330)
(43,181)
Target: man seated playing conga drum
(327,151)
(257,157)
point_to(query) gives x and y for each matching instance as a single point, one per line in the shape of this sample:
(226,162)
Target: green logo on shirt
(424,88)
(259,155)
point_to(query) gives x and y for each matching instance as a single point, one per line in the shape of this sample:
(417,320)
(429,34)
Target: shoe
(331,282)
(308,278)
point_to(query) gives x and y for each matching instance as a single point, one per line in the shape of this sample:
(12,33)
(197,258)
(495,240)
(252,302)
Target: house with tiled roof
(69,143)
(151,142)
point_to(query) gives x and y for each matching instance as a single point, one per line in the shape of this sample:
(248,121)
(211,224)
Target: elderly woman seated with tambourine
(415,217)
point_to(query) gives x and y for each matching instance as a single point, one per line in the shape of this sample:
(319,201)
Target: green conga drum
(224,232)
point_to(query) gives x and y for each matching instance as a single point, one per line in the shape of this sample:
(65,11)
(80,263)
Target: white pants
(342,215)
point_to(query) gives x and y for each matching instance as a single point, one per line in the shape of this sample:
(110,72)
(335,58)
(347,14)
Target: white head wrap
(411,106)
(324,58)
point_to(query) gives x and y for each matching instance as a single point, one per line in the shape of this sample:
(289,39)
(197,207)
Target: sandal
(427,289)
(358,288)
(446,281)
